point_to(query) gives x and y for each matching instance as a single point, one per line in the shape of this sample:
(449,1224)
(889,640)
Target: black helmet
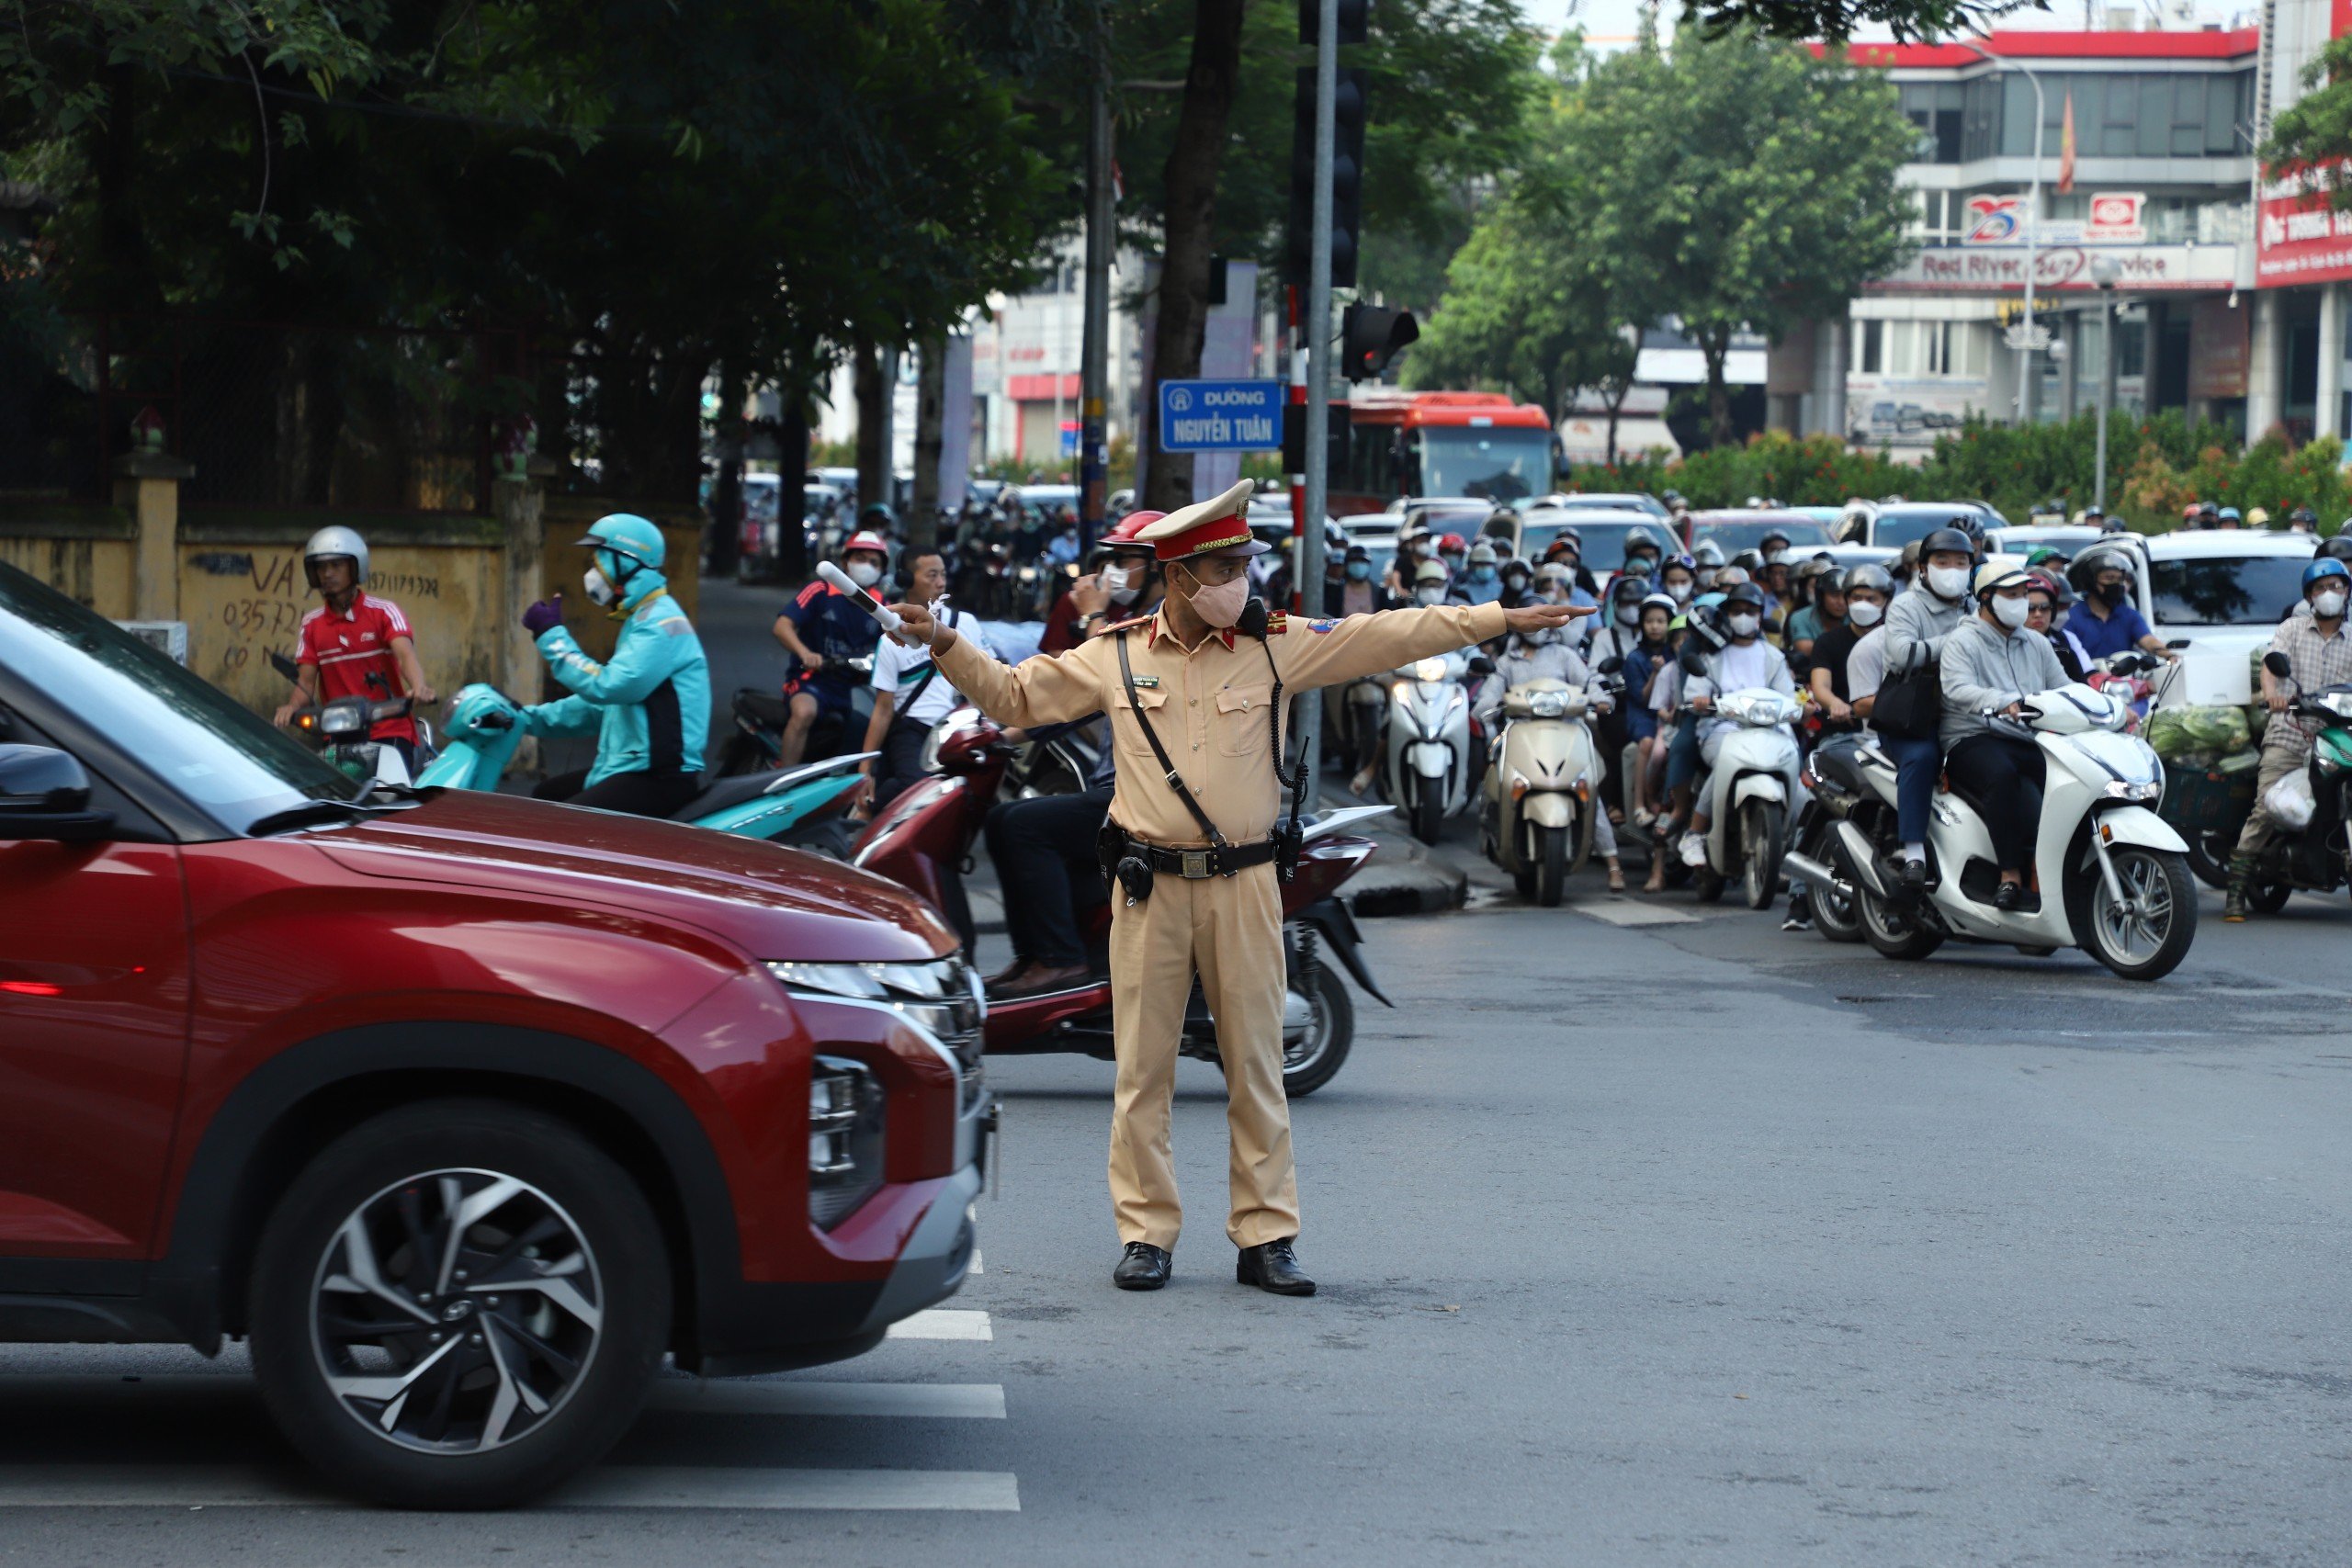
(1954,538)
(1745,593)
(2083,571)
(2304,514)
(1972,524)
(1748,560)
(1868,575)
(1628,591)
(2338,548)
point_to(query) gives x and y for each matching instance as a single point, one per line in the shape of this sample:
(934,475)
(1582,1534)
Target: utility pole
(1307,577)
(1094,346)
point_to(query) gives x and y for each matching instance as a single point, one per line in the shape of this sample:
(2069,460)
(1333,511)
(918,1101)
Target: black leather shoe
(2008,896)
(1273,1267)
(1911,877)
(1144,1268)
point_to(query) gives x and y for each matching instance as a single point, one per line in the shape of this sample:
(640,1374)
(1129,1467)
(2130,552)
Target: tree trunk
(1211,85)
(1716,345)
(870,380)
(1616,405)
(727,485)
(792,461)
(930,413)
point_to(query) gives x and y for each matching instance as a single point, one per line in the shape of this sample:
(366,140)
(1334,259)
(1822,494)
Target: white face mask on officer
(599,591)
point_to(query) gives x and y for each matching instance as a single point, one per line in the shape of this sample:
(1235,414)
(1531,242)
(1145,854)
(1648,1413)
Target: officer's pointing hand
(1535,617)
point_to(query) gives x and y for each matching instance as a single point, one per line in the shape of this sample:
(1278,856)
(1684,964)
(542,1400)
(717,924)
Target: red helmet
(1451,542)
(868,539)
(1124,530)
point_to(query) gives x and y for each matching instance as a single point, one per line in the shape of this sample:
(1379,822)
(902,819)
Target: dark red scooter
(925,838)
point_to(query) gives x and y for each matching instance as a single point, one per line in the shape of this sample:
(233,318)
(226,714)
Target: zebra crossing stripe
(944,1322)
(612,1487)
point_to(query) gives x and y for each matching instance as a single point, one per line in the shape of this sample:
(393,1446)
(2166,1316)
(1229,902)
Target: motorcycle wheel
(1760,835)
(1553,873)
(1832,917)
(2136,947)
(2209,857)
(1891,933)
(1429,810)
(2268,898)
(1330,1031)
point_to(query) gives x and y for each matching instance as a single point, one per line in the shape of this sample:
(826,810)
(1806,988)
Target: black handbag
(1910,707)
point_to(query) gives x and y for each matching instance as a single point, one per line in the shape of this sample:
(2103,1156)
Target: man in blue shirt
(2106,621)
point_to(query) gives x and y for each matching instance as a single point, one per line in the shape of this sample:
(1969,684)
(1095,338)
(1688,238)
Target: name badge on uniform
(1151,681)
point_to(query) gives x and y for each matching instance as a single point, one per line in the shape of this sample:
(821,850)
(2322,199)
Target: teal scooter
(801,807)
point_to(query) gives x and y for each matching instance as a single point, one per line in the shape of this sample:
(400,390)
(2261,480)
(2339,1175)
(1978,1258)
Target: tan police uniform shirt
(1208,706)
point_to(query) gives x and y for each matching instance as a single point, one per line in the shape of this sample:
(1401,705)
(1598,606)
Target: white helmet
(336,540)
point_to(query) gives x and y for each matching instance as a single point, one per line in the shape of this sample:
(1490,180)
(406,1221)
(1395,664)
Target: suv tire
(471,1395)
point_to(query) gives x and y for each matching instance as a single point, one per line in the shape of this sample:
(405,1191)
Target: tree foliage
(2315,132)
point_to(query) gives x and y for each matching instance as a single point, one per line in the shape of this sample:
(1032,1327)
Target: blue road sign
(1220,416)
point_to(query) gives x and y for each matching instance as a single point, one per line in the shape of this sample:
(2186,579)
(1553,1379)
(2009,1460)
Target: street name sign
(1220,416)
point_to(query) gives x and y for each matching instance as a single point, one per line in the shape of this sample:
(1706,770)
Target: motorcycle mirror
(1611,665)
(2277,663)
(2177,643)
(1693,662)
(1482,665)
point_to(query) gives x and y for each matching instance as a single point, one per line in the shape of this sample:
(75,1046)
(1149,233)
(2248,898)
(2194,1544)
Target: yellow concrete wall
(96,571)
(242,600)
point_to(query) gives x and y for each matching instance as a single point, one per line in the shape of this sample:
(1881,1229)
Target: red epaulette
(1277,621)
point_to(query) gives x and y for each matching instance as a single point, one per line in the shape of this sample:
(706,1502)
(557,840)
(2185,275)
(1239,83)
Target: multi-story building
(2302,250)
(2145,175)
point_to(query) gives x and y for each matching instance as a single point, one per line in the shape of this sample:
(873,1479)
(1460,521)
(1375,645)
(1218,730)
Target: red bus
(1415,443)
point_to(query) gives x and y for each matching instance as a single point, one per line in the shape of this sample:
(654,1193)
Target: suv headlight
(939,1001)
(845,1138)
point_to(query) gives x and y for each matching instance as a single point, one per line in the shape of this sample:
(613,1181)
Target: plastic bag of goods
(2290,801)
(2209,731)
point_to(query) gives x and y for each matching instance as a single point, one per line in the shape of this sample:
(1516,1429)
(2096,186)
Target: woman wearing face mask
(1642,661)
(1519,585)
(1917,623)
(1745,662)
(1992,661)
(1678,580)
(2046,615)
(1482,577)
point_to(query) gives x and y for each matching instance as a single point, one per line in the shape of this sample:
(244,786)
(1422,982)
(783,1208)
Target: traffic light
(1353,14)
(1372,335)
(1347,178)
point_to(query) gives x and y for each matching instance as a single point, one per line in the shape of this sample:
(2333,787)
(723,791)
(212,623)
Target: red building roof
(2208,44)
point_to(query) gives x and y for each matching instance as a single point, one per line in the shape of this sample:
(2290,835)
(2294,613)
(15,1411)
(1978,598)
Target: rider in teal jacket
(649,703)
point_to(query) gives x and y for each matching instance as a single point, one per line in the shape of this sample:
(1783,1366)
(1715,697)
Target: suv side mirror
(45,795)
(2277,663)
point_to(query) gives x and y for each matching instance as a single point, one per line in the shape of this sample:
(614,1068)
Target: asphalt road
(1679,1242)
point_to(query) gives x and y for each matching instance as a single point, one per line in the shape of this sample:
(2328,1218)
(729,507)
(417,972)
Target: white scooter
(1543,787)
(2109,875)
(1750,796)
(1427,770)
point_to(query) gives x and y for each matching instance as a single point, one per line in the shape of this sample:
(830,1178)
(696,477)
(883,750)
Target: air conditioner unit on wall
(165,636)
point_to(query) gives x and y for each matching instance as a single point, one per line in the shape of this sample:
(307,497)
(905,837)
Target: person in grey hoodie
(1992,664)
(1917,622)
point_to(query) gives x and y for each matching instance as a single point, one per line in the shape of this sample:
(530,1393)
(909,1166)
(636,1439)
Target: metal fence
(271,415)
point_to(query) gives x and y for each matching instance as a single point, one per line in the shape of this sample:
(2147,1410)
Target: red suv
(465,1109)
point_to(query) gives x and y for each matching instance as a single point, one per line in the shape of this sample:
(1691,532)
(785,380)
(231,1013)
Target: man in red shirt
(354,645)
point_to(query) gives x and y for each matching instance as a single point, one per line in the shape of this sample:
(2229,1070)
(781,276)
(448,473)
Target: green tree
(1752,184)
(2316,131)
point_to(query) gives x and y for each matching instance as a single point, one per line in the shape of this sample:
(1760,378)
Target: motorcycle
(924,837)
(2108,876)
(1542,789)
(1427,770)
(801,807)
(1814,836)
(1749,794)
(759,716)
(2317,857)
(339,729)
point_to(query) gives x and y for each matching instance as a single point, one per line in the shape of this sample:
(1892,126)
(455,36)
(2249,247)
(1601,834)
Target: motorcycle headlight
(2119,789)
(1548,705)
(1402,691)
(344,718)
(1430,669)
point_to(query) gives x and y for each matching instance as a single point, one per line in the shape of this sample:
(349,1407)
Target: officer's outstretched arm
(650,652)
(1047,689)
(1366,645)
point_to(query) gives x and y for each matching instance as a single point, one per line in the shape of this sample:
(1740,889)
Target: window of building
(2126,114)
(1870,348)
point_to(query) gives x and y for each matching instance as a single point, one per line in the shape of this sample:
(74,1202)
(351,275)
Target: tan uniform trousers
(1230,930)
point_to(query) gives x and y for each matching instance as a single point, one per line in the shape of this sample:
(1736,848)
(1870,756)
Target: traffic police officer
(1193,692)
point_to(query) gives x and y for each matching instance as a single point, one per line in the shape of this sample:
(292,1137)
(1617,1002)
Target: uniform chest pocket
(1126,727)
(1243,723)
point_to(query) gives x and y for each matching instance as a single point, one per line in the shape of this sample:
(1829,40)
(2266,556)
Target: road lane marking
(1635,914)
(723,1396)
(615,1486)
(944,1322)
(976,1260)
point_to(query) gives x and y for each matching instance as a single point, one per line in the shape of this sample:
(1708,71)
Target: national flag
(2066,148)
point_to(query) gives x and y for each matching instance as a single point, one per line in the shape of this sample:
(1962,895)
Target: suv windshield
(190,735)
(1603,542)
(1803,535)
(2228,591)
(1896,528)
(1486,462)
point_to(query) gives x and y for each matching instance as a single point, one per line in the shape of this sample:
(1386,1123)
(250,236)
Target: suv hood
(765,900)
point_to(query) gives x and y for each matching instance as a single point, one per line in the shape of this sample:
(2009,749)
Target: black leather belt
(1195,865)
